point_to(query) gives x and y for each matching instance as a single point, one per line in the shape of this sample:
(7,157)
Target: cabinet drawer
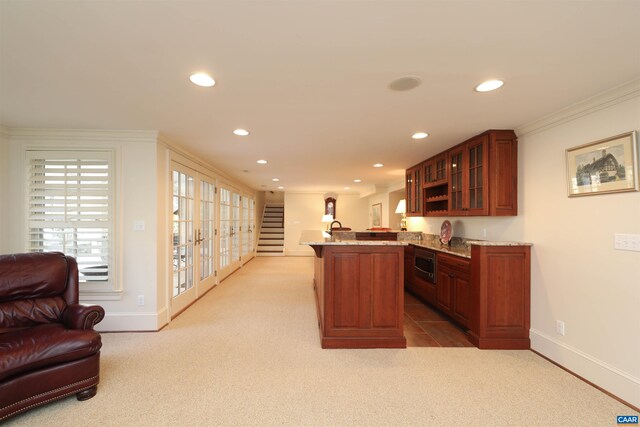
(454,262)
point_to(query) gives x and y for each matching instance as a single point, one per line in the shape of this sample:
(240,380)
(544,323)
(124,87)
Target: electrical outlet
(140,299)
(560,327)
(627,242)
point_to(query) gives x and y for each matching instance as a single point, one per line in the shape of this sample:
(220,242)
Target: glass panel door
(235,227)
(245,226)
(183,290)
(193,236)
(225,228)
(252,226)
(229,232)
(206,236)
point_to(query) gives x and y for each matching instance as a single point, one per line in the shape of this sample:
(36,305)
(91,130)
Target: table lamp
(402,209)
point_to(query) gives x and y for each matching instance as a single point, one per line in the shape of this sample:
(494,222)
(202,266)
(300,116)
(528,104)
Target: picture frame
(605,166)
(376,215)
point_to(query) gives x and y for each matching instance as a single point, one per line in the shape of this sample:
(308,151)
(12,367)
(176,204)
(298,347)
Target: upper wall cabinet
(413,188)
(476,177)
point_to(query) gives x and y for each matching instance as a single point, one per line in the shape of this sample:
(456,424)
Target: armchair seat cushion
(28,349)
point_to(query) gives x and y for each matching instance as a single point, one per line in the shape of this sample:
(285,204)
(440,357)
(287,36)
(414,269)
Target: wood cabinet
(483,175)
(376,235)
(488,294)
(435,186)
(360,296)
(413,189)
(416,285)
(409,252)
(501,297)
(453,288)
(476,177)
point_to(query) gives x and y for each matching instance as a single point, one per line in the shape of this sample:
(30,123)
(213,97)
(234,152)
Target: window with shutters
(70,210)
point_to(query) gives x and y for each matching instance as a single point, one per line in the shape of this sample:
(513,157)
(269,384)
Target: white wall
(4,190)
(273,196)
(394,218)
(142,194)
(136,261)
(576,275)
(303,211)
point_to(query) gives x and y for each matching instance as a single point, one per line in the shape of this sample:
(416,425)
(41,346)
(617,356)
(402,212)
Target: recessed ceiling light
(275,180)
(280,188)
(405,83)
(241,132)
(419,135)
(261,162)
(489,85)
(357,180)
(346,188)
(378,165)
(202,79)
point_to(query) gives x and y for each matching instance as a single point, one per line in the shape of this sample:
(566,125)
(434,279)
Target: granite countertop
(463,251)
(459,246)
(320,238)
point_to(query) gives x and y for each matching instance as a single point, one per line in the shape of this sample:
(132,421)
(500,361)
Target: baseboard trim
(127,322)
(611,380)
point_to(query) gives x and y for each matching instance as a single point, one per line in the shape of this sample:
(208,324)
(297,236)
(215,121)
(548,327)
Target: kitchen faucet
(331,226)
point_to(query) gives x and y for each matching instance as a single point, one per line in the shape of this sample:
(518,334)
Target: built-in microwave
(425,264)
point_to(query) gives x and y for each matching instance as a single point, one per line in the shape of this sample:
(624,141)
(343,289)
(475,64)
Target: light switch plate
(627,242)
(138,225)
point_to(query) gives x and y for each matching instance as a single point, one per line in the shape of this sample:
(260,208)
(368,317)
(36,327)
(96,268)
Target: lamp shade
(327,218)
(402,207)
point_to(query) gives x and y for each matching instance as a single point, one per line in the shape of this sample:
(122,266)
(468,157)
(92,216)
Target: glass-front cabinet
(476,177)
(414,190)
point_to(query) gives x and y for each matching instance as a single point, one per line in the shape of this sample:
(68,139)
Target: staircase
(271,240)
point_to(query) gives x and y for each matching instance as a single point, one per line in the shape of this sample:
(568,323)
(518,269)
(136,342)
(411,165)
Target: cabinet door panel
(504,182)
(444,290)
(477,185)
(456,190)
(345,284)
(462,299)
(384,290)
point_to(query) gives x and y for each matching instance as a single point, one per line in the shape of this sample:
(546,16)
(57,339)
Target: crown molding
(83,135)
(598,102)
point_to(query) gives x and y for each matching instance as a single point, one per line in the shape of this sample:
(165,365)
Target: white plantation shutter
(70,210)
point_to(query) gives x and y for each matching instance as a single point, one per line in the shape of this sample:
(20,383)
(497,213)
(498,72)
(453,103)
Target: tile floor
(425,327)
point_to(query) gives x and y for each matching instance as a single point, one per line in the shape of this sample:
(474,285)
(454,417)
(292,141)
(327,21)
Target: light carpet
(248,354)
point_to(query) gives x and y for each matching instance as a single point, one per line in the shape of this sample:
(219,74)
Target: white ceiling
(308,79)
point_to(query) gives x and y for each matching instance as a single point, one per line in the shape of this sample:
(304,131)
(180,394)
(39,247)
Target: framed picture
(606,166)
(376,215)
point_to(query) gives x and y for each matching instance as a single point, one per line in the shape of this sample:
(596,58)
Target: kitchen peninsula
(482,286)
(359,286)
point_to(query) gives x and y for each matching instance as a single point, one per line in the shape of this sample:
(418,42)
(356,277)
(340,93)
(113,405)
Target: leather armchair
(48,348)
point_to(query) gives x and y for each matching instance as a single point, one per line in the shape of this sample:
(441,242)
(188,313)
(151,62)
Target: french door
(193,231)
(229,253)
(248,226)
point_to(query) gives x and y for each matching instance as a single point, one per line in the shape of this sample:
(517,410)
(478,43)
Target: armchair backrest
(36,288)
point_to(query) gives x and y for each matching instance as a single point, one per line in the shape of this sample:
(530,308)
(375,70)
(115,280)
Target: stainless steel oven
(425,264)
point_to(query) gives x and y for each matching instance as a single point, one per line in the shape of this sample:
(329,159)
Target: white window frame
(92,286)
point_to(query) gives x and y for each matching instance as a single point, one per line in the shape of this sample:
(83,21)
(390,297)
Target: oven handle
(425,272)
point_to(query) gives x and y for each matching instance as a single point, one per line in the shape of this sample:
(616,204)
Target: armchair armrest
(77,316)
